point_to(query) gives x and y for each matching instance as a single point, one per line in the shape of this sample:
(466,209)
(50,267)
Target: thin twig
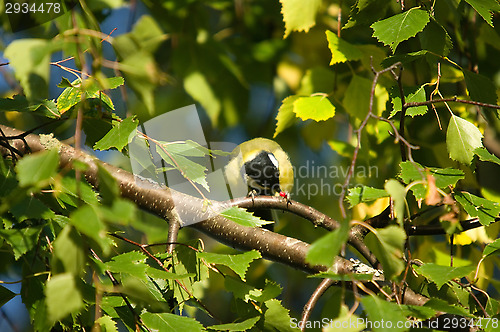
(315,296)
(453,99)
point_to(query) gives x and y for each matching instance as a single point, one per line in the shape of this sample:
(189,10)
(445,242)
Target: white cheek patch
(273,160)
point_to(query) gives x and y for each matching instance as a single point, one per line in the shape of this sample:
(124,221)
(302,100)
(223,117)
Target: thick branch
(169,204)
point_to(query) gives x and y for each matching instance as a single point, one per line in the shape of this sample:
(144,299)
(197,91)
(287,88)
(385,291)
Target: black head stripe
(263,173)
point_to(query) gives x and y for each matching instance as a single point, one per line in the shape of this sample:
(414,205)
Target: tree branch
(161,202)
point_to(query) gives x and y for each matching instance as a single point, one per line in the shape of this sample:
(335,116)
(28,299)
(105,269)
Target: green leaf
(170,322)
(133,263)
(73,196)
(285,116)
(357,97)
(417,311)
(398,194)
(65,83)
(121,212)
(18,103)
(29,207)
(111,83)
(244,291)
(241,326)
(342,148)
(316,80)
(299,15)
(177,159)
(107,324)
(21,240)
(144,292)
(413,171)
(202,90)
(163,275)
(492,248)
(405,58)
(69,255)
(30,59)
(95,99)
(62,296)
(324,250)
(69,97)
(485,155)
(37,168)
(364,194)
(412,95)
(135,49)
(238,263)
(342,51)
(5,295)
(108,187)
(479,207)
(436,39)
(480,87)
(243,217)
(462,137)
(442,274)
(387,245)
(87,221)
(317,108)
(379,310)
(400,27)
(485,8)
(443,306)
(366,12)
(277,317)
(118,136)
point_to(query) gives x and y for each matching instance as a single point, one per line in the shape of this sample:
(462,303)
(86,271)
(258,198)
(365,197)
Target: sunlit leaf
(118,136)
(30,59)
(62,289)
(317,108)
(413,171)
(285,115)
(170,322)
(442,274)
(492,248)
(479,207)
(342,50)
(243,217)
(357,97)
(485,155)
(241,326)
(277,317)
(398,194)
(378,309)
(462,137)
(363,194)
(36,168)
(239,263)
(21,240)
(400,27)
(412,95)
(299,15)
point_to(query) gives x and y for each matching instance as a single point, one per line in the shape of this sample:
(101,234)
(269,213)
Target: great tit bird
(263,168)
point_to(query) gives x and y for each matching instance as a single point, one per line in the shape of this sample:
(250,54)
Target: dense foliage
(389,113)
